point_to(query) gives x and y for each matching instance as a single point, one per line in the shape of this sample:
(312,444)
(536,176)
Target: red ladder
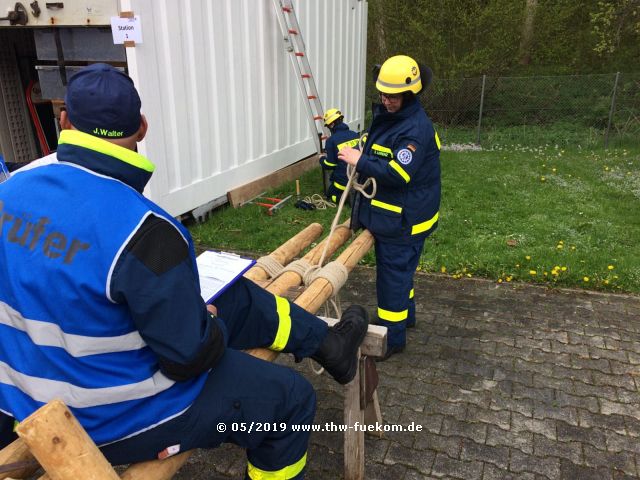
(295,46)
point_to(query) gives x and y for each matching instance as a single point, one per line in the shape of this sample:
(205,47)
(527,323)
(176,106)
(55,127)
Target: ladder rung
(293,32)
(286,9)
(312,97)
(318,117)
(324,137)
(306,75)
(299,54)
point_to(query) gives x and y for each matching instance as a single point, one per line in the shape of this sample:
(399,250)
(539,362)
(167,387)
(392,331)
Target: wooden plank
(252,189)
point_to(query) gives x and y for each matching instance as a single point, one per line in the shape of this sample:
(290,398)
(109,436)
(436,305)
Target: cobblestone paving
(508,382)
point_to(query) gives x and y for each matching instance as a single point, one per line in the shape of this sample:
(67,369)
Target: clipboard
(217,270)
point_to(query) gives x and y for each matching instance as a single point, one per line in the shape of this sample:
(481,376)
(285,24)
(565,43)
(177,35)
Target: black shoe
(390,351)
(338,353)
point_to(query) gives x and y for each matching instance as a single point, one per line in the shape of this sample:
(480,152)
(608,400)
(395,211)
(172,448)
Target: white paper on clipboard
(218,270)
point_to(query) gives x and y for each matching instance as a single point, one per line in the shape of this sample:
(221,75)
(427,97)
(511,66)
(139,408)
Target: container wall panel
(219,90)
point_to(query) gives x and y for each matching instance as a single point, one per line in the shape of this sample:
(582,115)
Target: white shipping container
(220,92)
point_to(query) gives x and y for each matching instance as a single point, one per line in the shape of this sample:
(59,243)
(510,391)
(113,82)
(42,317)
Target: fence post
(484,78)
(611,110)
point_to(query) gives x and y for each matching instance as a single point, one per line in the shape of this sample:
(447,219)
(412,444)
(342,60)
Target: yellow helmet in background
(331,116)
(399,74)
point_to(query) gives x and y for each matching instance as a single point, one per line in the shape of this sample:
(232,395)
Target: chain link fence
(585,110)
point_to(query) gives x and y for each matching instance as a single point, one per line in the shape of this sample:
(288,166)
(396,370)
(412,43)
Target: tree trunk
(527,31)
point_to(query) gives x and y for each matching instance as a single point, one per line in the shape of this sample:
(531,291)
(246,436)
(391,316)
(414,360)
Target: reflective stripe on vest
(284,473)
(424,226)
(437,140)
(382,151)
(339,187)
(386,206)
(396,166)
(411,293)
(390,316)
(284,324)
(348,143)
(328,163)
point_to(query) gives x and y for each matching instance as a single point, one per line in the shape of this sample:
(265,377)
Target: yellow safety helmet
(399,74)
(331,116)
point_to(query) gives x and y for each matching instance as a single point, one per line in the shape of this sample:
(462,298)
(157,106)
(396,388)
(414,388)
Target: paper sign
(126,30)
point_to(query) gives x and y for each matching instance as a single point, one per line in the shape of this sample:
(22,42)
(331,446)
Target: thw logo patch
(405,156)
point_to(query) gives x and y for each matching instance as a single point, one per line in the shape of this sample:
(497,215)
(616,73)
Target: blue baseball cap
(102,101)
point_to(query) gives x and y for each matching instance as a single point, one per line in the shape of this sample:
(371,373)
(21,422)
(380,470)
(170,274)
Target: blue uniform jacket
(402,153)
(340,137)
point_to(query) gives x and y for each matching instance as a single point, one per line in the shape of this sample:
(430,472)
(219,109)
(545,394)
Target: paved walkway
(509,381)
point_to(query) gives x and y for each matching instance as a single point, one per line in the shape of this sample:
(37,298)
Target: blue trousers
(244,393)
(395,268)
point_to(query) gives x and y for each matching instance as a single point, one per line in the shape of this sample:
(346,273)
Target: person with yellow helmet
(341,136)
(402,154)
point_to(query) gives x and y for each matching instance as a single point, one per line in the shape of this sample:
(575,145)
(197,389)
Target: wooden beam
(288,250)
(353,439)
(62,446)
(246,192)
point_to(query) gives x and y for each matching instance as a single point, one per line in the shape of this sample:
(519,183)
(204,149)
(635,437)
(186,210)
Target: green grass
(506,213)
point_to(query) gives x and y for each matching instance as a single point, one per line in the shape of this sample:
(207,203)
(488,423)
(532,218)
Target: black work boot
(338,353)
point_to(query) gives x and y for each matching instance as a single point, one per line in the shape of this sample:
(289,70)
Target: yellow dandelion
(553,170)
(517,265)
(606,282)
(528,257)
(573,247)
(611,267)
(564,269)
(615,277)
(542,179)
(499,280)
(559,246)
(561,242)
(532,272)
(469,275)
(509,278)
(443,269)
(585,279)
(544,273)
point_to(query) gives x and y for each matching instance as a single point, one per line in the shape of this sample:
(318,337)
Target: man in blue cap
(100,306)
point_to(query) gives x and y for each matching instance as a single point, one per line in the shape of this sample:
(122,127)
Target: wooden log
(291,279)
(288,250)
(320,290)
(62,446)
(160,470)
(17,452)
